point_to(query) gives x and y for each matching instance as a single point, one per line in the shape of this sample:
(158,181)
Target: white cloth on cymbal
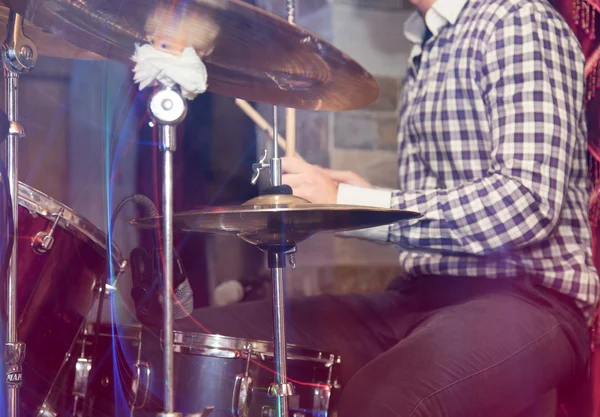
(186,70)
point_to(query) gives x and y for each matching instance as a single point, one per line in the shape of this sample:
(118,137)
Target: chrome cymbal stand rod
(281,388)
(168,108)
(275,163)
(19,56)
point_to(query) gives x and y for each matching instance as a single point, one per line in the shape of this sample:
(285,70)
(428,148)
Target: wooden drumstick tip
(290,131)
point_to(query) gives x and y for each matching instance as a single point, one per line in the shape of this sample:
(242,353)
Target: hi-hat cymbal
(280,220)
(249,53)
(46,43)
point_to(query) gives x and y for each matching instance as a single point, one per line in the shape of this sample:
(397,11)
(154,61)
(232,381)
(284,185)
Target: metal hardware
(82,374)
(43,241)
(281,390)
(240,406)
(292,260)
(299,415)
(168,108)
(267,412)
(275,162)
(141,383)
(46,411)
(169,415)
(257,167)
(16,129)
(203,413)
(321,398)
(15,355)
(20,53)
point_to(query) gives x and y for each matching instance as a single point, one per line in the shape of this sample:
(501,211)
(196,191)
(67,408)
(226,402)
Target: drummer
(500,289)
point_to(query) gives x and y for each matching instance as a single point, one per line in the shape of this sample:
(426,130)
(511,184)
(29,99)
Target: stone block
(373,37)
(365,130)
(388,95)
(312,136)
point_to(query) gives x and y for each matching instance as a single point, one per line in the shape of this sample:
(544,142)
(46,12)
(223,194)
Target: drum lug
(241,396)
(269,412)
(321,398)
(46,411)
(141,383)
(203,413)
(82,372)
(43,241)
(281,390)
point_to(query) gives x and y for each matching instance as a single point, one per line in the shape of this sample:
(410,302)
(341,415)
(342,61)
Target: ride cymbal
(249,53)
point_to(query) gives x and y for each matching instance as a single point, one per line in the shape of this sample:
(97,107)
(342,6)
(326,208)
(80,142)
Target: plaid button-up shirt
(492,150)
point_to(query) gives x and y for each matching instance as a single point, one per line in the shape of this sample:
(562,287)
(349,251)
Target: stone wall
(364,140)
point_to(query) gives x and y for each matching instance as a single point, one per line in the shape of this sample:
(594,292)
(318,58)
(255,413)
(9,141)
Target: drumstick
(260,121)
(290,131)
(290,114)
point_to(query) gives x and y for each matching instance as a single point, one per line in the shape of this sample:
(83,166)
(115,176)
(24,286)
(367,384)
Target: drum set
(60,262)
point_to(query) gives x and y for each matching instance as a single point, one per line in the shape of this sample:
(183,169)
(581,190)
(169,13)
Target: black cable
(10,238)
(9,233)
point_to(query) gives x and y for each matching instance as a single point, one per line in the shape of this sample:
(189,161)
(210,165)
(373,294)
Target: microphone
(234,291)
(183,297)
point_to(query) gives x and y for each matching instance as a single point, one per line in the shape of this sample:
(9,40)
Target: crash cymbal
(47,44)
(280,220)
(249,53)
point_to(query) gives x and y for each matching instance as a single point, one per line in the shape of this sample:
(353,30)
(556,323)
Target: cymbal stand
(168,108)
(276,259)
(19,56)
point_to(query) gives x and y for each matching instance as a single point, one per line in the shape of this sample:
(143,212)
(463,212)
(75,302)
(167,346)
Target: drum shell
(205,375)
(55,289)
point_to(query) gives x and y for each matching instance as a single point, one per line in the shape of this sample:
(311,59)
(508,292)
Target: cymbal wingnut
(26,52)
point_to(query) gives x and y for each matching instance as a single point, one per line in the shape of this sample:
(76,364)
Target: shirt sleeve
(372,197)
(533,86)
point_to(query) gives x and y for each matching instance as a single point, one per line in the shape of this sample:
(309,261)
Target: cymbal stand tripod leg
(19,55)
(168,108)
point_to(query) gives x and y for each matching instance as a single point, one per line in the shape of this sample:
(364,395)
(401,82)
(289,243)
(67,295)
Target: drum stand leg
(168,108)
(18,56)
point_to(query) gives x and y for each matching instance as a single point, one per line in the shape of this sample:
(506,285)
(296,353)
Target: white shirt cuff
(371,197)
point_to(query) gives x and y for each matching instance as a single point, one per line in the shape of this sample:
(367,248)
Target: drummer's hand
(317,185)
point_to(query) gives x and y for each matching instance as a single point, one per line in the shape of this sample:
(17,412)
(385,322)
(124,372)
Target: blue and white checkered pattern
(492,150)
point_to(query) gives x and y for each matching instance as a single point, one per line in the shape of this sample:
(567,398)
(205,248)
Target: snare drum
(61,260)
(234,376)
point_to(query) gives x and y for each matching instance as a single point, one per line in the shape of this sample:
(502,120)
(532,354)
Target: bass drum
(61,260)
(234,376)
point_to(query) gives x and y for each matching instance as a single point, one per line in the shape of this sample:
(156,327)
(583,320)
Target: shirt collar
(441,13)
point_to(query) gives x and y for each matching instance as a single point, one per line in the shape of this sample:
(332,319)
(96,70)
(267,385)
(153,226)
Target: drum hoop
(45,206)
(213,345)
(121,331)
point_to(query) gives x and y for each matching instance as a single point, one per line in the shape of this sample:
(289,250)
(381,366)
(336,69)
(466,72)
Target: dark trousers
(433,347)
